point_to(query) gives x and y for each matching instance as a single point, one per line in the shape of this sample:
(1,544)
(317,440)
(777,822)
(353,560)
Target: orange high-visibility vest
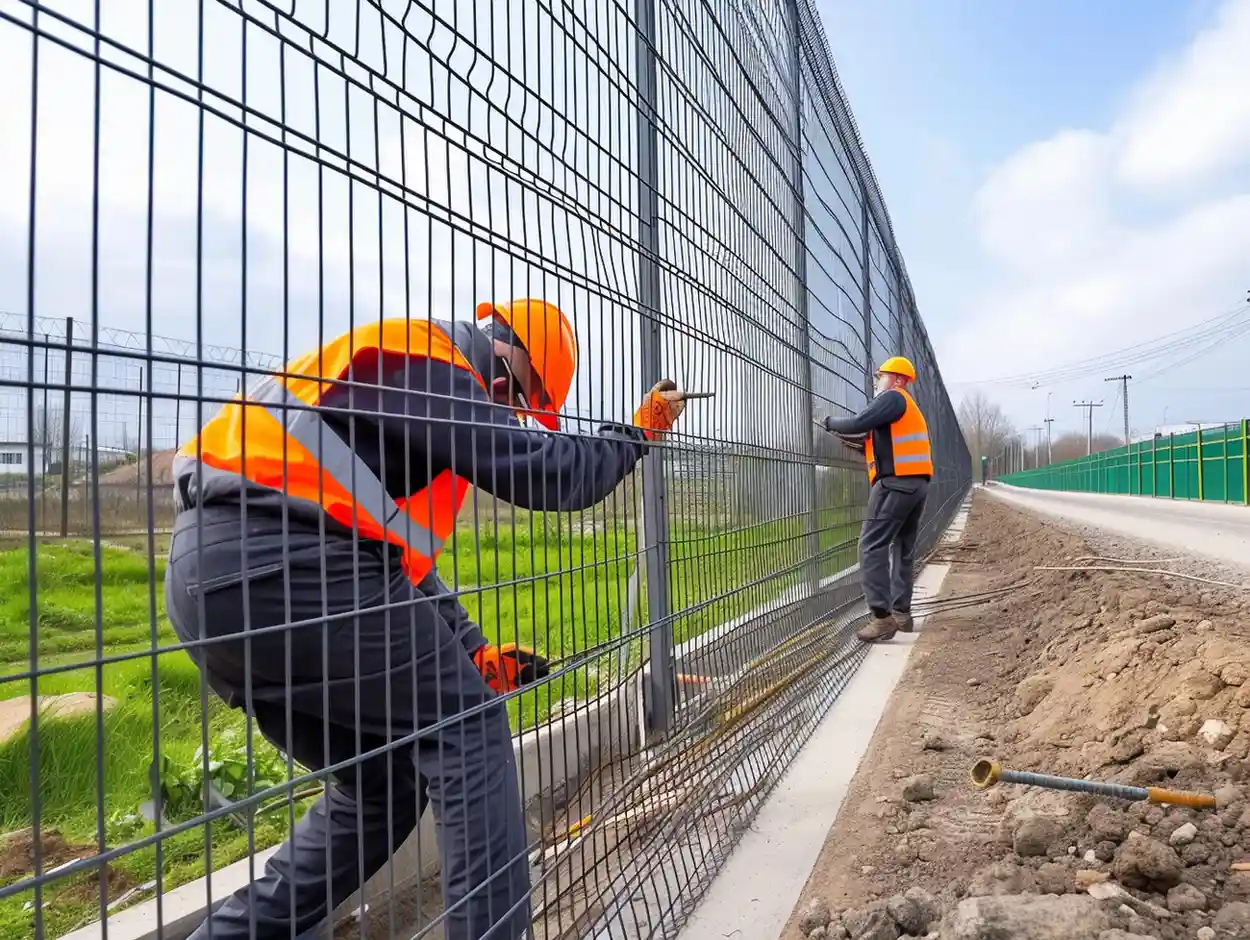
(284,445)
(909,436)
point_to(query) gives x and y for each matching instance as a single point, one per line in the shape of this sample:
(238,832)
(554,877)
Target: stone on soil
(1034,836)
(918,789)
(1147,863)
(1234,920)
(1184,898)
(1183,835)
(872,922)
(815,914)
(1001,878)
(1106,824)
(1216,733)
(1026,917)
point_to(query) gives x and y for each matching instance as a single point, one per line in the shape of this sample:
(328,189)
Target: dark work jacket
(876,419)
(410,419)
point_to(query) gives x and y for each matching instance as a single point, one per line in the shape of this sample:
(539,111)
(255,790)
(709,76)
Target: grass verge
(542,583)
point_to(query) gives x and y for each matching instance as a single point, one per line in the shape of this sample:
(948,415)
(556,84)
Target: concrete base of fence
(549,759)
(762,880)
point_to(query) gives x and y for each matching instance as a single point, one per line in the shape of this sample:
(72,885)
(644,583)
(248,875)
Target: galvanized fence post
(800,271)
(1245,462)
(1171,465)
(1198,451)
(65,425)
(661,679)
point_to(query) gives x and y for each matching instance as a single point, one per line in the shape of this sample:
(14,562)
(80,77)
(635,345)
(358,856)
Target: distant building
(13,457)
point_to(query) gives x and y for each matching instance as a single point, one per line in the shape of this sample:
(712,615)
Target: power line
(1201,337)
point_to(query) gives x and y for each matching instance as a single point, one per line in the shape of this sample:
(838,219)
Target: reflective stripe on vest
(909,438)
(290,448)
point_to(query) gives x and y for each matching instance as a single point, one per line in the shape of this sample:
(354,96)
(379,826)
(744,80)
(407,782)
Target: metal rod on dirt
(988,773)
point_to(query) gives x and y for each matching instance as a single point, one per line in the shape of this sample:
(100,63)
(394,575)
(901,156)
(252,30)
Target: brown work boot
(879,629)
(905,621)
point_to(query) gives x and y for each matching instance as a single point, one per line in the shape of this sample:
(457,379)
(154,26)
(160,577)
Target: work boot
(879,629)
(905,621)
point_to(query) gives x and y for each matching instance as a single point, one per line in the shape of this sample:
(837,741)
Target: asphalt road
(1213,530)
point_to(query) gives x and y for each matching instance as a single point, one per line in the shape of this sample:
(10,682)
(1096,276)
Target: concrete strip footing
(756,891)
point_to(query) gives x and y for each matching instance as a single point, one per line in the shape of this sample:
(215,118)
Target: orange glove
(660,410)
(508,667)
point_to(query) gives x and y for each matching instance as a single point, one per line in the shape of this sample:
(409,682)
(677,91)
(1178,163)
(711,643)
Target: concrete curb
(756,891)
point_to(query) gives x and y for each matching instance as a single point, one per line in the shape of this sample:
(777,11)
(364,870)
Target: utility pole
(1050,457)
(1089,438)
(1123,380)
(1037,447)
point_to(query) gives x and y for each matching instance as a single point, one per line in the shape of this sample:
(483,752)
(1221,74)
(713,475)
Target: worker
(312,511)
(894,438)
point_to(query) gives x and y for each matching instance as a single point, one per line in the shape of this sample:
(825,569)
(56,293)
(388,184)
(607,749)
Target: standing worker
(312,511)
(894,438)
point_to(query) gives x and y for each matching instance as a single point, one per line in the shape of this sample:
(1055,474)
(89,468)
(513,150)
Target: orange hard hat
(899,365)
(551,344)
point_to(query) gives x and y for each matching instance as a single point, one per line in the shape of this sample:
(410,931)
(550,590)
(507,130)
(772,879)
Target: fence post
(866,274)
(1245,462)
(661,679)
(1171,465)
(1198,447)
(65,425)
(139,449)
(800,277)
(1224,437)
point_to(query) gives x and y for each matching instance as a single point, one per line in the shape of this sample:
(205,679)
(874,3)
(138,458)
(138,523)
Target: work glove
(508,667)
(660,410)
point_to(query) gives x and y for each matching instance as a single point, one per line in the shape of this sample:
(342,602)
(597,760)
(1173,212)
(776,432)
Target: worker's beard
(881,386)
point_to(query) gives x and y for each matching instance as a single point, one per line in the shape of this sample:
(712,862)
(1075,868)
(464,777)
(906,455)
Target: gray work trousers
(364,664)
(887,542)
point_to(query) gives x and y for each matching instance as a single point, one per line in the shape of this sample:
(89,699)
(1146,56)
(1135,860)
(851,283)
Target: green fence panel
(1212,465)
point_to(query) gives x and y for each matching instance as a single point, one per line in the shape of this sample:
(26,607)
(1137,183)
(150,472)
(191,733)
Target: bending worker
(312,511)
(894,438)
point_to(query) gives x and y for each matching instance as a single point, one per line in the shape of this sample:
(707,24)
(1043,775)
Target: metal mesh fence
(1208,463)
(190,180)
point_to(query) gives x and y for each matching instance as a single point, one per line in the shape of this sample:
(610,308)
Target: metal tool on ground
(988,773)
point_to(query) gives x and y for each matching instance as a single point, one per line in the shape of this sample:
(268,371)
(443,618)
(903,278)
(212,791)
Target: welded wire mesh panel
(349,587)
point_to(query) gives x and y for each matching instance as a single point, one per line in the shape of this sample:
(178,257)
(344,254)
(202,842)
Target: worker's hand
(660,410)
(508,667)
(854,441)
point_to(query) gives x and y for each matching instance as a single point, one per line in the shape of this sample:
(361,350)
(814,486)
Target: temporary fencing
(686,182)
(1207,463)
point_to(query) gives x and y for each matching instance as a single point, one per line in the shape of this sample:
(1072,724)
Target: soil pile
(1127,677)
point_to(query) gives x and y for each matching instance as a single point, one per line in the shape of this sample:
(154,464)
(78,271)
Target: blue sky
(984,120)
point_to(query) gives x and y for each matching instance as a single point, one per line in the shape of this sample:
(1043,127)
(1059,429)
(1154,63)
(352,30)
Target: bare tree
(1074,443)
(50,430)
(986,428)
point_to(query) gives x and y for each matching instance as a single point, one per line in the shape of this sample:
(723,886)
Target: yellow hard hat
(899,365)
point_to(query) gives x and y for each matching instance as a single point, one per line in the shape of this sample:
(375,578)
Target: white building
(13,457)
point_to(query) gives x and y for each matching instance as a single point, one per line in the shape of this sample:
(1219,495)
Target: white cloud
(1191,117)
(1082,259)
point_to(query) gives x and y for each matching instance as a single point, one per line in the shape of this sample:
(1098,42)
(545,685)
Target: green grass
(540,582)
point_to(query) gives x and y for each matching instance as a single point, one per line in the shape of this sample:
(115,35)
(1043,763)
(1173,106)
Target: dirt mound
(1131,678)
(162,470)
(17,852)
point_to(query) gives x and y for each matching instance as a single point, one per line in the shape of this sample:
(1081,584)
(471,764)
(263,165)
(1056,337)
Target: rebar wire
(1162,571)
(687,184)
